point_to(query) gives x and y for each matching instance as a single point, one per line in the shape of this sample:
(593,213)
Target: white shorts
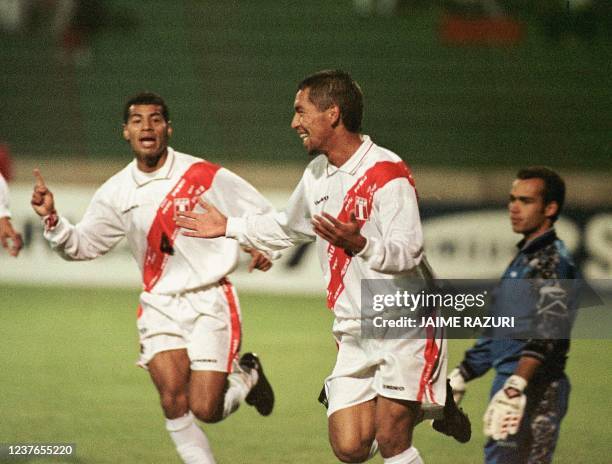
(205,322)
(405,369)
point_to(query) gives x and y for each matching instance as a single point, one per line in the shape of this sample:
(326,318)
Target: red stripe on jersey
(235,331)
(431,358)
(194,182)
(359,200)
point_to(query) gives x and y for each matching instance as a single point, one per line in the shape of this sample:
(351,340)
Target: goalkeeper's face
(147,132)
(528,213)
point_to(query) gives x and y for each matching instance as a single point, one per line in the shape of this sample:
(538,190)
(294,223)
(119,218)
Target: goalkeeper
(530,391)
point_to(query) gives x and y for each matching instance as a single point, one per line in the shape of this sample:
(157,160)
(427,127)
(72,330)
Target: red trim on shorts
(194,182)
(235,331)
(431,357)
(364,189)
(139,312)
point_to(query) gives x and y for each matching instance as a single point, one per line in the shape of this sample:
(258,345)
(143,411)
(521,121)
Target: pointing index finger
(40,182)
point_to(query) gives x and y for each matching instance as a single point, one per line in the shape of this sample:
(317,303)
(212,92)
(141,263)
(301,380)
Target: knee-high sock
(240,383)
(191,442)
(409,456)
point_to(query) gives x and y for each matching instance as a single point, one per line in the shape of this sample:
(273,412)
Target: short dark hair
(335,87)
(554,186)
(145,98)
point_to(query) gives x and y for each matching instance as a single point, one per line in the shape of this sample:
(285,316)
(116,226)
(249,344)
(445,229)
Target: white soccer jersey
(378,187)
(4,199)
(141,206)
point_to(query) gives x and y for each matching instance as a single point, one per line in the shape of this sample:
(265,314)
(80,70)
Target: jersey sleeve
(99,231)
(276,230)
(399,248)
(4,199)
(556,287)
(477,360)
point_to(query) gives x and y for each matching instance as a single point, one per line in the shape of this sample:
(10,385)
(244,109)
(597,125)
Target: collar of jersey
(142,178)
(539,242)
(350,166)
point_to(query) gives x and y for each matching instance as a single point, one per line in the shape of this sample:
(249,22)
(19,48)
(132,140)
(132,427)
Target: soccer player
(10,239)
(358,201)
(189,316)
(529,396)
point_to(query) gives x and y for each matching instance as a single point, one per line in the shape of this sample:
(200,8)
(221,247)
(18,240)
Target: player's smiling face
(312,125)
(528,213)
(147,132)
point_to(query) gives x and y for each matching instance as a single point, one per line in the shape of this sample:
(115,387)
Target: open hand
(345,235)
(209,224)
(10,239)
(259,260)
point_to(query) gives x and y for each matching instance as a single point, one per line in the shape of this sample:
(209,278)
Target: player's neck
(151,163)
(541,230)
(343,148)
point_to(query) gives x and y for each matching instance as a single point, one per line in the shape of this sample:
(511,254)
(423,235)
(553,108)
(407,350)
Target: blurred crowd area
(453,83)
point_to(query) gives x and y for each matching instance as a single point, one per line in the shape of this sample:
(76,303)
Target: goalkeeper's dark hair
(335,87)
(146,98)
(554,186)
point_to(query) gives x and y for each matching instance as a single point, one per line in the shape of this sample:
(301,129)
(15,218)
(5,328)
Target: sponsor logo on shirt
(321,200)
(393,387)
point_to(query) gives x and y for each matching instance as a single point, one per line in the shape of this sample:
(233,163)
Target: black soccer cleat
(455,422)
(261,395)
(323,398)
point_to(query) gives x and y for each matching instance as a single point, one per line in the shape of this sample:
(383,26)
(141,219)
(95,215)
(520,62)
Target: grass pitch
(69,375)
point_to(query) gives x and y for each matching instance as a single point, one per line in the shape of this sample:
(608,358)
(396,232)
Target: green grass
(68,375)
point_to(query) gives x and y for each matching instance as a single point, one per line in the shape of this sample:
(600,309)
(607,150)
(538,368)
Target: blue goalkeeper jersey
(533,289)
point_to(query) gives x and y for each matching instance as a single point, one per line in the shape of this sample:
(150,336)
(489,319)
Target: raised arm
(98,232)
(267,232)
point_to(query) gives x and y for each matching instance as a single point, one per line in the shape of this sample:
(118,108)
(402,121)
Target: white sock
(373,450)
(191,443)
(240,383)
(409,456)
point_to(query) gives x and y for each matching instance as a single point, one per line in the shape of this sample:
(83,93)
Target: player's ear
(333,114)
(125,133)
(551,209)
(170,130)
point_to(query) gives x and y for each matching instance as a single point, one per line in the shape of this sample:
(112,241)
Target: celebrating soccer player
(358,201)
(189,316)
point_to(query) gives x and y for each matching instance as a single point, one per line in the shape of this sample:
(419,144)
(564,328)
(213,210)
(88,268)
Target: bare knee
(207,410)
(352,449)
(174,403)
(207,395)
(395,424)
(391,443)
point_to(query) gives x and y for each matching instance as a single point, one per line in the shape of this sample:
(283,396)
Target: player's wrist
(357,247)
(50,220)
(457,381)
(515,385)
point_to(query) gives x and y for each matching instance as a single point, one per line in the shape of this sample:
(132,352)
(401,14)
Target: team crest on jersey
(181,205)
(361,209)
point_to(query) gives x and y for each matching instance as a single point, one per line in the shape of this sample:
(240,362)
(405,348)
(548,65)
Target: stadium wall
(463,240)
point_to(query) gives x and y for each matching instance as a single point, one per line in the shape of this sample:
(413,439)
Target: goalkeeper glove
(458,385)
(506,409)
